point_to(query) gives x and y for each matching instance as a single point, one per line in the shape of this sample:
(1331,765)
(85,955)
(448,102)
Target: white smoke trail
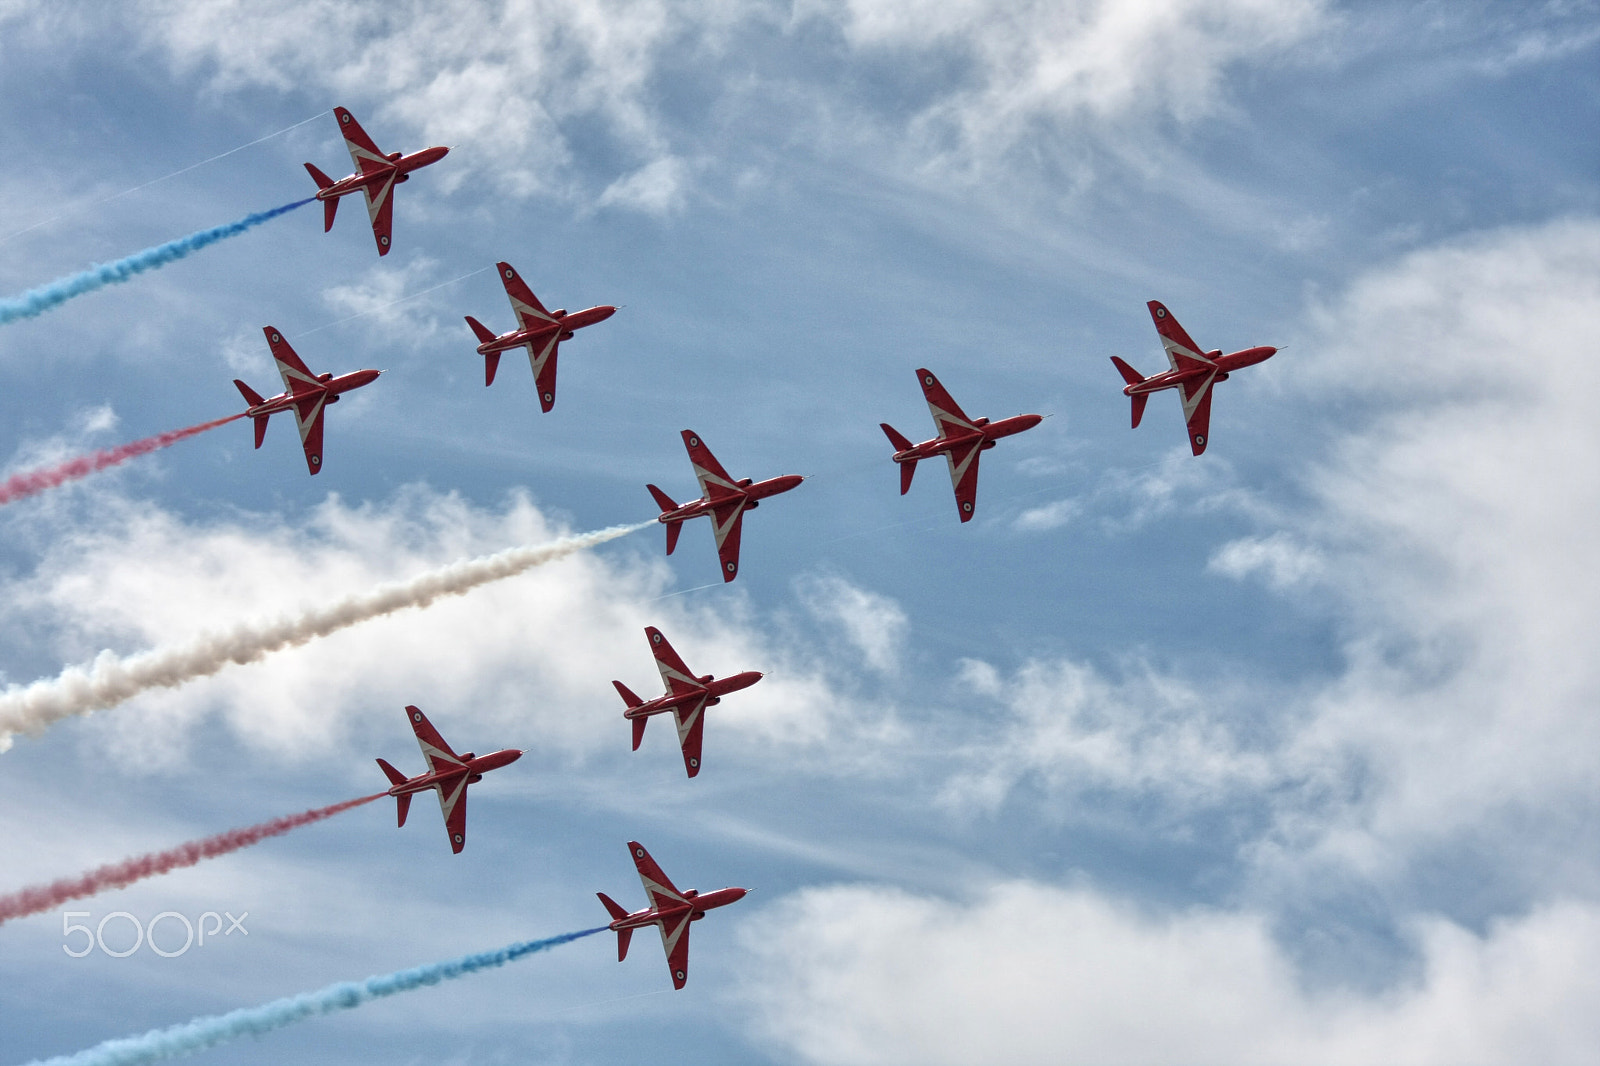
(110,679)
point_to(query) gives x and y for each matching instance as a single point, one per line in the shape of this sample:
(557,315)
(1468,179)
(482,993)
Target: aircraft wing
(435,751)
(714,481)
(726,523)
(1175,339)
(531,314)
(675,938)
(675,675)
(1197,411)
(542,358)
(691,727)
(297,377)
(380,208)
(308,412)
(454,806)
(658,888)
(366,155)
(947,414)
(963,461)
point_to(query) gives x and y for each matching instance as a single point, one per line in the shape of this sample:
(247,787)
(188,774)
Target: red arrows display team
(1192,374)
(538,330)
(375,178)
(304,393)
(725,501)
(960,440)
(669,910)
(448,774)
(686,699)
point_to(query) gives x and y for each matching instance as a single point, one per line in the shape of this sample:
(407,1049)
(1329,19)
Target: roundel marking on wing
(655,638)
(679,974)
(694,762)
(966,505)
(510,273)
(732,566)
(1161,312)
(638,853)
(344,118)
(694,442)
(316,460)
(1199,438)
(276,339)
(384,241)
(458,838)
(549,397)
(417,717)
(928,380)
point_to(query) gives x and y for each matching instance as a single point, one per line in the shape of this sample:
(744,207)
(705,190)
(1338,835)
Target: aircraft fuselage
(331,387)
(986,431)
(752,494)
(670,914)
(399,170)
(566,324)
(714,688)
(1221,366)
(473,767)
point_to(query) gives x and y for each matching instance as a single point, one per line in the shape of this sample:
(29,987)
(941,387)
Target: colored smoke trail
(19,486)
(201,1033)
(111,679)
(119,875)
(36,302)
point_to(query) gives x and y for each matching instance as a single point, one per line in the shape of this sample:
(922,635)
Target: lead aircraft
(448,774)
(960,440)
(686,698)
(669,910)
(1192,374)
(725,501)
(375,178)
(304,393)
(538,330)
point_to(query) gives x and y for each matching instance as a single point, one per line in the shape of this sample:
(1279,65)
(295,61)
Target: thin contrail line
(157,181)
(391,303)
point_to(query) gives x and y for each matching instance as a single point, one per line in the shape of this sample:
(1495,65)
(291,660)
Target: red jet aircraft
(687,698)
(669,910)
(375,177)
(960,440)
(448,773)
(1192,374)
(725,500)
(538,330)
(304,393)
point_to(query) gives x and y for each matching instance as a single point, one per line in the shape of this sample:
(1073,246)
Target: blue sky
(1285,752)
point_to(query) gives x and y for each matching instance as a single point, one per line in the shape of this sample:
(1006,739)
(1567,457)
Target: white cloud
(497,82)
(532,656)
(873,625)
(1030,973)
(1278,556)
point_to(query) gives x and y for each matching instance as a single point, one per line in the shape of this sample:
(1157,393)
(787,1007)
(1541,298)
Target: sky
(1281,753)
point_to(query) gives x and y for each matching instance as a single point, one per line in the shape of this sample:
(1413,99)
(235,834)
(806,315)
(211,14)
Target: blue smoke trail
(201,1033)
(36,302)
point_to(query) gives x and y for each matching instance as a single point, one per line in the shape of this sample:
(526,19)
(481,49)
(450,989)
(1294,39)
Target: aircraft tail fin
(627,695)
(1138,407)
(322,180)
(663,501)
(485,334)
(900,443)
(251,396)
(614,909)
(907,472)
(1129,374)
(403,802)
(666,503)
(638,731)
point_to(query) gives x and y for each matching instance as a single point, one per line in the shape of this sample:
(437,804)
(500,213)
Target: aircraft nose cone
(512,755)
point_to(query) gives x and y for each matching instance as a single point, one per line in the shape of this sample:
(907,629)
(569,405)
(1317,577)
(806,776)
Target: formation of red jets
(960,439)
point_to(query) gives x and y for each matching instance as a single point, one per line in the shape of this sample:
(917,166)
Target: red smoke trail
(119,875)
(21,485)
